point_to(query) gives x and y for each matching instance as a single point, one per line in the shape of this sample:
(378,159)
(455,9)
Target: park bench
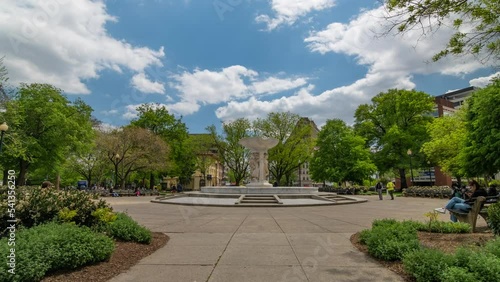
(479,208)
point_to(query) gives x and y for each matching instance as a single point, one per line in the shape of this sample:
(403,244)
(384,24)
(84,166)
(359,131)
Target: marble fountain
(258,192)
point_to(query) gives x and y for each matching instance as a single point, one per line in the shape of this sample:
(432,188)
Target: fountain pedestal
(259,170)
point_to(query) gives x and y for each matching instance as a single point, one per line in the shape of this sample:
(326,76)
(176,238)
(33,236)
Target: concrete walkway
(264,244)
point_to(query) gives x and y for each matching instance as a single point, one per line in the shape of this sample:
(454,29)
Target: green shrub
(446,227)
(364,235)
(493,247)
(35,206)
(51,247)
(457,274)
(104,215)
(390,240)
(126,229)
(66,215)
(484,264)
(427,264)
(494,218)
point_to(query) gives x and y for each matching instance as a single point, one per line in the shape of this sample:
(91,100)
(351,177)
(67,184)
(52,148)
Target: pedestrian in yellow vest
(390,189)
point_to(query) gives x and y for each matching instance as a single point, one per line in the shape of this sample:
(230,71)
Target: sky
(212,61)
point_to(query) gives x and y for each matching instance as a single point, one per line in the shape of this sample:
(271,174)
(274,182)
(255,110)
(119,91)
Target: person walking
(390,189)
(378,188)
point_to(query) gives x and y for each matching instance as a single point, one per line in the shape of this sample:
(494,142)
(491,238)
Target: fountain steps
(258,199)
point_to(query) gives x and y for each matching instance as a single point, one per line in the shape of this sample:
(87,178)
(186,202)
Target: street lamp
(3,128)
(409,153)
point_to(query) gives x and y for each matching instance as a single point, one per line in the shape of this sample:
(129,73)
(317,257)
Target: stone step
(259,201)
(259,198)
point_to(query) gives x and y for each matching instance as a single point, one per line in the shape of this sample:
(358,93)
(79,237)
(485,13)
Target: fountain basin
(259,190)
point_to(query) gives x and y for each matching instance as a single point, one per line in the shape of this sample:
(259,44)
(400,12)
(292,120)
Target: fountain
(258,192)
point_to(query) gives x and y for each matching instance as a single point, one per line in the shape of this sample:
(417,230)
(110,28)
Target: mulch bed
(126,255)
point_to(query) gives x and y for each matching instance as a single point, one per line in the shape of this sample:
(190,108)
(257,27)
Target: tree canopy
(394,122)
(476,23)
(447,141)
(173,131)
(341,155)
(231,153)
(482,153)
(295,143)
(133,149)
(44,127)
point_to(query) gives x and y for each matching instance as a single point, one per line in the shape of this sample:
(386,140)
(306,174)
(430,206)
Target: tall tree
(295,143)
(133,149)
(231,153)
(91,165)
(341,155)
(476,22)
(172,130)
(394,122)
(44,127)
(482,153)
(447,141)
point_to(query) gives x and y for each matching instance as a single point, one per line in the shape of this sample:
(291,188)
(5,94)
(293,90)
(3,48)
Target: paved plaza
(264,244)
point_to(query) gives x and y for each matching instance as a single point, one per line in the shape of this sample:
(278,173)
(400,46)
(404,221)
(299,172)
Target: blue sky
(217,60)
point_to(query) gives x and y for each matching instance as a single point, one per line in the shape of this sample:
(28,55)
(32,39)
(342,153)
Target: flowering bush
(35,205)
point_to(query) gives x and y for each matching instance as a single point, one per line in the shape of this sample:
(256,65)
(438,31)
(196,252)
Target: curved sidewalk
(264,244)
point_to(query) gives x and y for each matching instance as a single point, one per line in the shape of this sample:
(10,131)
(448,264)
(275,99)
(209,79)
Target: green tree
(133,149)
(341,155)
(172,130)
(482,153)
(394,122)
(231,153)
(206,153)
(91,165)
(44,127)
(476,23)
(295,143)
(447,141)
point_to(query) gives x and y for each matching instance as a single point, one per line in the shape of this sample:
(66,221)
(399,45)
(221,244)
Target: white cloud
(65,43)
(391,62)
(288,12)
(273,85)
(482,82)
(202,87)
(105,127)
(210,87)
(143,84)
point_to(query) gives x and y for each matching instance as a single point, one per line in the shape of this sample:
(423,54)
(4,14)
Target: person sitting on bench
(457,203)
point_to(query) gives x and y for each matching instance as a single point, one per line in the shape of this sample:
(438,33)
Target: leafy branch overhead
(476,24)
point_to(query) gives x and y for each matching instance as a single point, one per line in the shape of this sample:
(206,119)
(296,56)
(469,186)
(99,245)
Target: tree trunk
(58,181)
(402,177)
(151,181)
(5,176)
(23,169)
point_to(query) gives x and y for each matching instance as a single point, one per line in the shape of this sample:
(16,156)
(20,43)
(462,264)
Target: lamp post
(409,152)
(430,176)
(3,128)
